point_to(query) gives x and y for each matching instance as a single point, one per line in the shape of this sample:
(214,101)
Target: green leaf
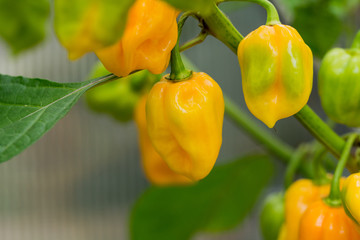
(202,6)
(23,22)
(83,26)
(30,107)
(219,202)
(319,27)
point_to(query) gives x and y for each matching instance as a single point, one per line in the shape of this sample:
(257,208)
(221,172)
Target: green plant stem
(272,14)
(293,165)
(218,25)
(178,70)
(193,42)
(321,131)
(356,42)
(320,174)
(334,198)
(270,142)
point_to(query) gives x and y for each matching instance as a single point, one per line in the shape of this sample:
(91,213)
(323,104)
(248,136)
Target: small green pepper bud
(117,98)
(272,216)
(339,84)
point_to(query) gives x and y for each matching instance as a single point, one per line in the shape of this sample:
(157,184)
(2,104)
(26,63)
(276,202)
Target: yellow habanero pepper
(351,196)
(322,222)
(185,120)
(277,72)
(155,168)
(151,33)
(298,197)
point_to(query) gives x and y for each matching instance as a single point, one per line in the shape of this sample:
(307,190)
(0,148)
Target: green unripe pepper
(123,106)
(118,98)
(98,70)
(272,216)
(339,84)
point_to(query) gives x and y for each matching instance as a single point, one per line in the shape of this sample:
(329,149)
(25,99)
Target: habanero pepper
(272,216)
(339,85)
(185,120)
(322,222)
(277,72)
(299,196)
(326,219)
(155,168)
(151,33)
(350,195)
(117,98)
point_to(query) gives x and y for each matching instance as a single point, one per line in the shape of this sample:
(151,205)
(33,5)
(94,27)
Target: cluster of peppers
(312,210)
(180,119)
(316,210)
(184,110)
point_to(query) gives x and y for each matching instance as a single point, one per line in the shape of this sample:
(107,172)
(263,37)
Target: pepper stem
(178,70)
(197,40)
(293,165)
(334,198)
(356,42)
(320,174)
(324,134)
(272,14)
(218,25)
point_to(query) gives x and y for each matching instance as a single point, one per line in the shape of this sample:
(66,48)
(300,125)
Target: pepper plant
(180,115)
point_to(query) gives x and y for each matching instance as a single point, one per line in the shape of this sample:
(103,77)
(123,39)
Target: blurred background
(82,178)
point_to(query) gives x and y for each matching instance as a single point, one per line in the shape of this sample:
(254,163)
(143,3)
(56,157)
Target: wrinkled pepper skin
(339,86)
(299,196)
(272,216)
(322,222)
(155,168)
(185,122)
(150,35)
(277,72)
(351,196)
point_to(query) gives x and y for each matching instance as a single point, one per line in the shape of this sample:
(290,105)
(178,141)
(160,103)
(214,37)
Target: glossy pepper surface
(322,222)
(351,196)
(339,85)
(277,72)
(185,122)
(155,168)
(298,197)
(150,35)
(272,216)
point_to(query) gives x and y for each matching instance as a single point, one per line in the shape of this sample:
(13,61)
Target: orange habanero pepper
(298,197)
(155,168)
(151,33)
(322,222)
(185,120)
